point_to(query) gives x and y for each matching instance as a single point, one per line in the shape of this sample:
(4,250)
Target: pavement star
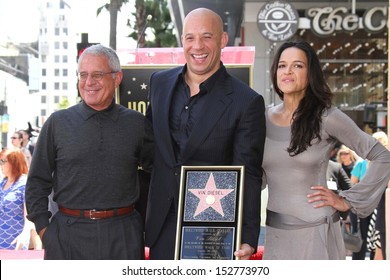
(210,196)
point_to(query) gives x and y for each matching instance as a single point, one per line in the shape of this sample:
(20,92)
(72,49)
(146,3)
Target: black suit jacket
(231,131)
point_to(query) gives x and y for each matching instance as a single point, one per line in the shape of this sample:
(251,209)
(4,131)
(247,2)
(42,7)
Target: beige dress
(296,230)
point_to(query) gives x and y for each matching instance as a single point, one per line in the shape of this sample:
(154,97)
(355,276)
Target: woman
(17,139)
(302,213)
(17,142)
(15,228)
(347,159)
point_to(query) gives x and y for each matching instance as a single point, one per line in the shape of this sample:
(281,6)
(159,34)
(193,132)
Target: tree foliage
(63,104)
(160,25)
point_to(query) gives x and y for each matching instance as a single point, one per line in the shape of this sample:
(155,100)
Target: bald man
(201,116)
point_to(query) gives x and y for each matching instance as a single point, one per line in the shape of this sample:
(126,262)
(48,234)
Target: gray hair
(100,50)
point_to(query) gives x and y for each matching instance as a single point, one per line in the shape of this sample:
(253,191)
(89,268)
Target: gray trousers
(73,238)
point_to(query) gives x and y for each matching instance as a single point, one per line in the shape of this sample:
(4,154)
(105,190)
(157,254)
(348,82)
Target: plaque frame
(210,201)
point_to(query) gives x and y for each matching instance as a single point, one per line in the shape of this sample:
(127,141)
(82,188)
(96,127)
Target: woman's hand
(323,196)
(22,241)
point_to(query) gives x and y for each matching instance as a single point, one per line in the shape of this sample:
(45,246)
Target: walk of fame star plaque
(209,213)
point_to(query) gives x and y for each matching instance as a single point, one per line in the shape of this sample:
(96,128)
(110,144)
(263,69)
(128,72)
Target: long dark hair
(306,125)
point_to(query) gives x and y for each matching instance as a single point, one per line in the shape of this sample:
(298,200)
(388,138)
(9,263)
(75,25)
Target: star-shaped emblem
(210,196)
(143,86)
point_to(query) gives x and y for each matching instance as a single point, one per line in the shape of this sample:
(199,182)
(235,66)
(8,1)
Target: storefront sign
(328,20)
(277,21)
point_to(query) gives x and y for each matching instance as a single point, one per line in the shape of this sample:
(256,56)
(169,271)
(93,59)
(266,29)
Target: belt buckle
(91,212)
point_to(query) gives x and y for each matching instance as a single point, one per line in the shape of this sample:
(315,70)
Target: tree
(63,104)
(160,24)
(140,23)
(113,7)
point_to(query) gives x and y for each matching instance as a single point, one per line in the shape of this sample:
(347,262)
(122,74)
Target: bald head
(198,15)
(203,39)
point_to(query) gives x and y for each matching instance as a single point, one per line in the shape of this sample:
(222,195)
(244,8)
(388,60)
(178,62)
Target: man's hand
(245,252)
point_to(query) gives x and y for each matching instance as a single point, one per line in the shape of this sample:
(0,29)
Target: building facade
(57,54)
(38,79)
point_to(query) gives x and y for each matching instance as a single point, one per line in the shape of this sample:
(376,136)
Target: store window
(355,66)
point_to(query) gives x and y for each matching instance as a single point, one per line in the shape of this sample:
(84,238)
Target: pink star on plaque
(210,196)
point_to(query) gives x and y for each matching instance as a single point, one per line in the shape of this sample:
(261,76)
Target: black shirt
(185,110)
(89,158)
(348,168)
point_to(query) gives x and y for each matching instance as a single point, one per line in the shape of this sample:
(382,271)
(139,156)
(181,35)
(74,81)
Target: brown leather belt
(97,214)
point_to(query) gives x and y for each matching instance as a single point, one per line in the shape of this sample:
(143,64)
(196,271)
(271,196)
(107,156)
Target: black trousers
(164,247)
(73,238)
(364,223)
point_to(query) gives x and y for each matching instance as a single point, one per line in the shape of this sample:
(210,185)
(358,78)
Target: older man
(89,155)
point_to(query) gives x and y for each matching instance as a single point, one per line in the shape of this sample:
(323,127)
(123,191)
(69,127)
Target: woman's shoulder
(333,117)
(331,111)
(22,180)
